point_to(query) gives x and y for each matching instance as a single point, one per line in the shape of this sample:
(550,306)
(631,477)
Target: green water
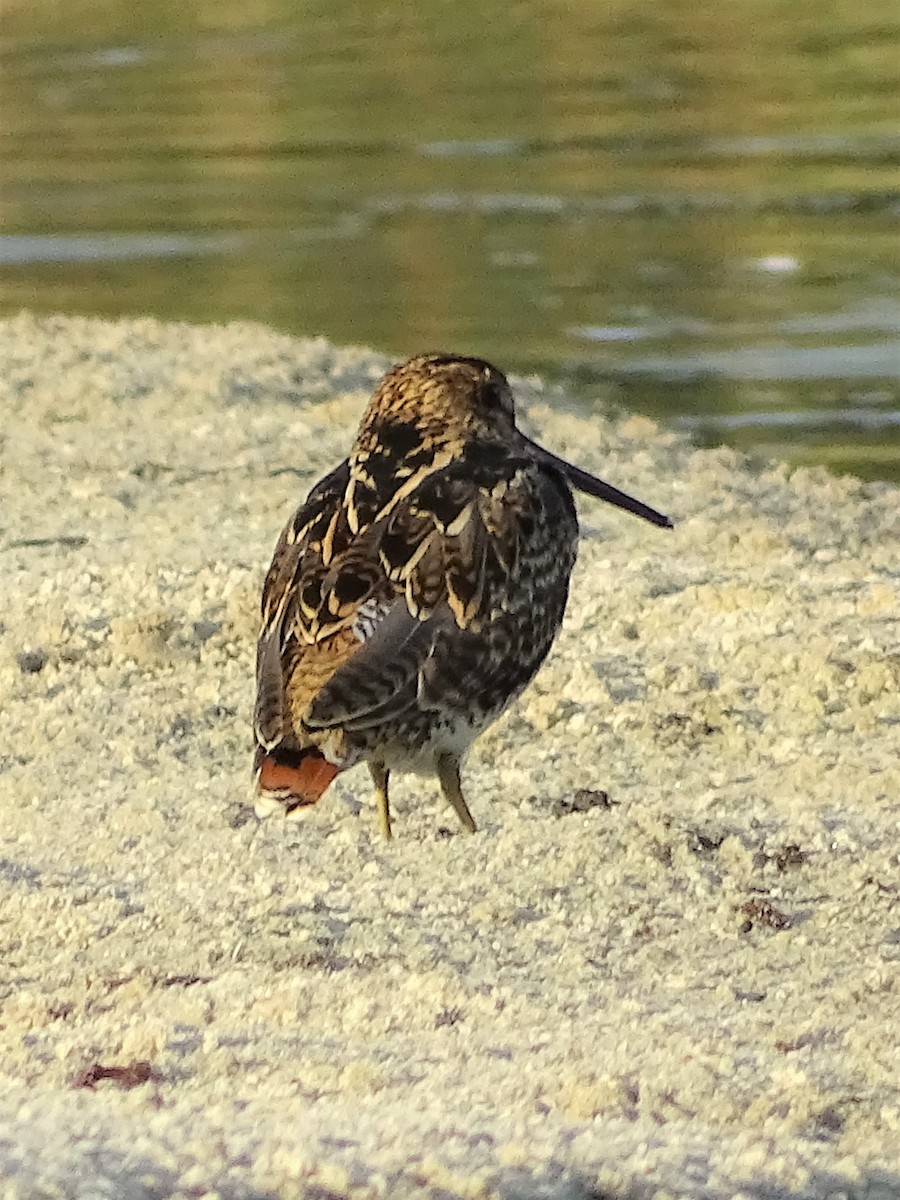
(692,208)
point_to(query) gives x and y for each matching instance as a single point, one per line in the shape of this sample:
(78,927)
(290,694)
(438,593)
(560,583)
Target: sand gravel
(668,964)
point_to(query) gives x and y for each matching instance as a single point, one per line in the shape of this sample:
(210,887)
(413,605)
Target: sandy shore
(667,965)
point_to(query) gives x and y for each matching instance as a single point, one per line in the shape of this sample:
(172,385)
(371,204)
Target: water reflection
(692,208)
(112,247)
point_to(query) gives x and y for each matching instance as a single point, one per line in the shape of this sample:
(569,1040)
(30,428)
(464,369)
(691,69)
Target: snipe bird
(417,589)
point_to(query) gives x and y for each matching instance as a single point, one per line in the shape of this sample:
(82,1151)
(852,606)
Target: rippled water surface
(692,207)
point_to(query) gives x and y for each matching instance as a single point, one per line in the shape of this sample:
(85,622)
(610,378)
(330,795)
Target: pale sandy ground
(693,991)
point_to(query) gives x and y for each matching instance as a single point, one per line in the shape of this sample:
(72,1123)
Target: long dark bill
(593,486)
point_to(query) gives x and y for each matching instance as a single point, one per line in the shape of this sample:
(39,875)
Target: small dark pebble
(151,471)
(238,815)
(32,662)
(581,801)
(783,859)
(830,1120)
(759,910)
(790,856)
(702,843)
(448,1017)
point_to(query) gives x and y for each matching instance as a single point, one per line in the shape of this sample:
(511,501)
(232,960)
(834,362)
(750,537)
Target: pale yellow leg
(380,775)
(448,776)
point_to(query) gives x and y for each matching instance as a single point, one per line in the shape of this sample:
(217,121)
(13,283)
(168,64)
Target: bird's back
(420,610)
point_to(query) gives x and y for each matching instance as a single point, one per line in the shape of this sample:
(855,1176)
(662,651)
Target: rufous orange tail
(295,779)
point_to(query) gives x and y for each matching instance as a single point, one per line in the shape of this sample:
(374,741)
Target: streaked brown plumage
(416,591)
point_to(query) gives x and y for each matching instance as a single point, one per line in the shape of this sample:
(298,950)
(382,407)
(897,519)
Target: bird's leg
(380,775)
(448,776)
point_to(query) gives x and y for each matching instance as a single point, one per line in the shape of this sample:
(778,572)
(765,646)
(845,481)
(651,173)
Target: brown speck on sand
(127,1077)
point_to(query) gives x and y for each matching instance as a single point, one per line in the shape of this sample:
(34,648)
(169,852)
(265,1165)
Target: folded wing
(352,618)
